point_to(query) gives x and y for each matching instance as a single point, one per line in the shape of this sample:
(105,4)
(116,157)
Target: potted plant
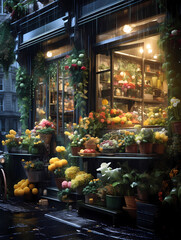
(112,191)
(160,139)
(90,191)
(64,193)
(35,170)
(130,143)
(145,140)
(143,186)
(129,185)
(12,142)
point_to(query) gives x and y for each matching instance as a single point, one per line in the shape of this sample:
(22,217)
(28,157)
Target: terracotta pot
(176,127)
(76,150)
(130,201)
(146,148)
(158,148)
(58,181)
(131,148)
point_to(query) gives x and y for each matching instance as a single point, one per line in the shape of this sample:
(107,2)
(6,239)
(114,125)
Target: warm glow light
(127,28)
(49,54)
(155,56)
(150,50)
(148,46)
(141,50)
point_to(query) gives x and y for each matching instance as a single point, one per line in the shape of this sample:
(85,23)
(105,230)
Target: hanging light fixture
(127,28)
(49,54)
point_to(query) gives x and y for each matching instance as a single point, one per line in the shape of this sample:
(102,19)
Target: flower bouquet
(12,142)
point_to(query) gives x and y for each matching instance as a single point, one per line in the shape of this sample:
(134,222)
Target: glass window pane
(41,101)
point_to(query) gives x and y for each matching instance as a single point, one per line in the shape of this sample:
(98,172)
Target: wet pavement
(28,221)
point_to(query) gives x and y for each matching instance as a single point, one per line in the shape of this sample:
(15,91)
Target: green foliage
(144,136)
(63,194)
(23,90)
(129,140)
(36,165)
(60,172)
(7,45)
(92,187)
(75,67)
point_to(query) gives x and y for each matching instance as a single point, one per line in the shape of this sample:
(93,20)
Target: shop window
(135,82)
(40,101)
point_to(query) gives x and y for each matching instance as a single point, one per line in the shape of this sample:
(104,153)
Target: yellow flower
(3,142)
(22,160)
(74,124)
(104,102)
(67,133)
(60,149)
(28,132)
(38,136)
(12,132)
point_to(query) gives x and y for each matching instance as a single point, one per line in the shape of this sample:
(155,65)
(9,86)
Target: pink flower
(67,56)
(64,184)
(83,68)
(66,67)
(69,184)
(102,120)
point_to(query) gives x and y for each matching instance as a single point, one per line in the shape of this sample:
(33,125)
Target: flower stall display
(58,165)
(160,140)
(12,141)
(25,189)
(155,116)
(64,193)
(145,140)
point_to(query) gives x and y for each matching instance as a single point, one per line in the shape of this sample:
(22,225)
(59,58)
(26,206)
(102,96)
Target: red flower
(83,68)
(74,65)
(66,67)
(102,120)
(67,56)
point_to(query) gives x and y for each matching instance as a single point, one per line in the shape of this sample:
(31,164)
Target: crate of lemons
(25,189)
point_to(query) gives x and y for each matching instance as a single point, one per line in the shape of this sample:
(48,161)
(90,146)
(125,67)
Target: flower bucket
(113,202)
(58,182)
(131,148)
(130,201)
(35,176)
(75,150)
(146,148)
(158,148)
(176,127)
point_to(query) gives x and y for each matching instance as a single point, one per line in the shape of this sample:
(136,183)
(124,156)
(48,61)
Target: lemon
(20,192)
(31,185)
(26,190)
(34,191)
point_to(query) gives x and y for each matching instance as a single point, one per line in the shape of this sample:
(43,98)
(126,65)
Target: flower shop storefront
(107,100)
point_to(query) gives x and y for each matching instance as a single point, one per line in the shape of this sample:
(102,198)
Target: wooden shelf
(128,98)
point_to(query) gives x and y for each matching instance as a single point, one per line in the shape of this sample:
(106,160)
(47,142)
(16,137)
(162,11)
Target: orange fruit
(26,190)
(16,186)
(34,191)
(16,192)
(20,192)
(31,185)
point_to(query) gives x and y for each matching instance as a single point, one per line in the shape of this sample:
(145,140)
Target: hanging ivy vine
(75,67)
(7,45)
(23,91)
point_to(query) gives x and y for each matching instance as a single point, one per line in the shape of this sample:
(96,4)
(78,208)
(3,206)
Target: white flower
(75,132)
(104,167)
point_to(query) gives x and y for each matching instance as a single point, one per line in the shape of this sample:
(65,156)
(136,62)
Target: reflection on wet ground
(19,222)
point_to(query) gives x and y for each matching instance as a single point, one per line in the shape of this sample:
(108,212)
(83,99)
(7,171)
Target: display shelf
(115,214)
(103,71)
(128,98)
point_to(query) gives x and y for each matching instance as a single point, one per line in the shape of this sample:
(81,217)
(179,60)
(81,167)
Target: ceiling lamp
(127,28)
(49,54)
